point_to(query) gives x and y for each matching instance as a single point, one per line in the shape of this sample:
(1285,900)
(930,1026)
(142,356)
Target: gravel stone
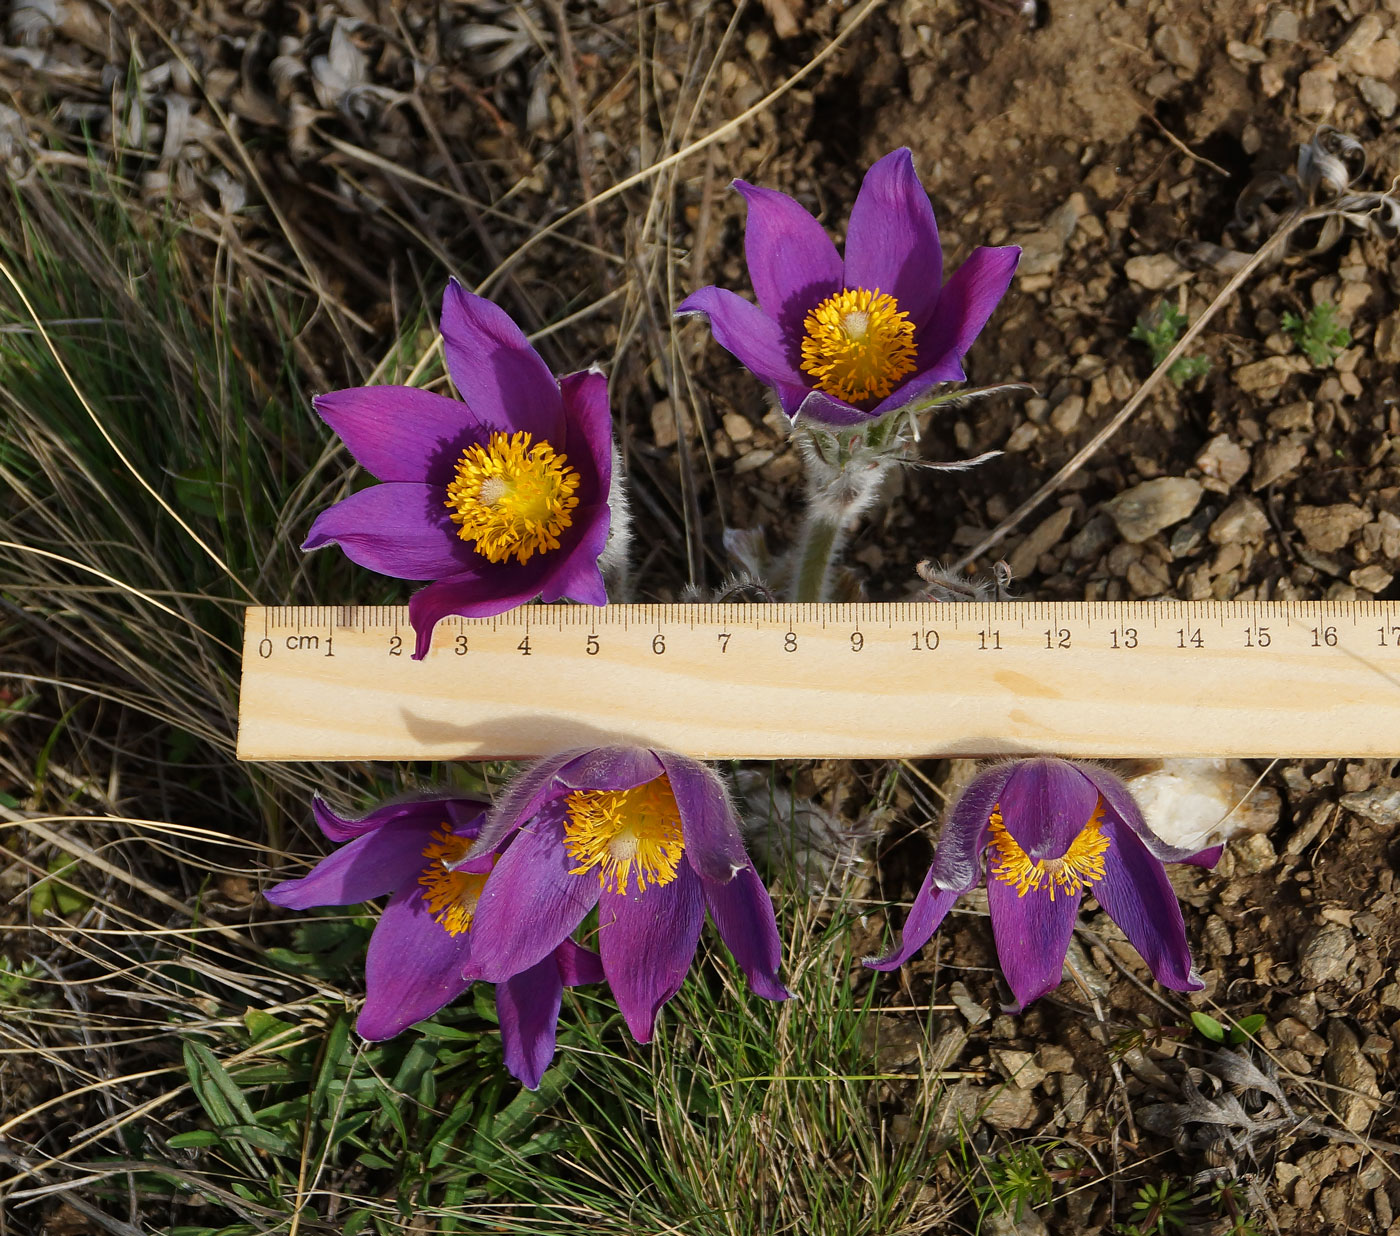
(1223,460)
(1156,271)
(1371,578)
(1092,539)
(1361,38)
(738,427)
(1387,339)
(966,1005)
(1057,1059)
(1019,1067)
(1345,1066)
(1187,538)
(1266,377)
(1242,522)
(1380,804)
(1045,537)
(1292,1033)
(1275,460)
(1329,528)
(663,423)
(1175,48)
(1328,955)
(895,1041)
(1253,854)
(1380,98)
(1282,27)
(1144,510)
(1316,97)
(1065,418)
(1297,415)
(1009,1223)
(1380,60)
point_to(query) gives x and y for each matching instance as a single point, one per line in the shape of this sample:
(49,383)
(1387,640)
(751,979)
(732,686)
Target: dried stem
(1266,252)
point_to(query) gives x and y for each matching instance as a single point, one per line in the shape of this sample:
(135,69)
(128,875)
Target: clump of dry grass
(168,1056)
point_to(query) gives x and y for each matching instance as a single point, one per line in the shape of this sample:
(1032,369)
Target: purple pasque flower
(499,497)
(423,941)
(651,840)
(1053,830)
(842,342)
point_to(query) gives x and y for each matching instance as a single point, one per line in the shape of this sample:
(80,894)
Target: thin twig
(1273,246)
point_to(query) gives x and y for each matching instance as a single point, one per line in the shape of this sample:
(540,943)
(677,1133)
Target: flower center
(858,345)
(451,895)
(512,498)
(1073,872)
(619,832)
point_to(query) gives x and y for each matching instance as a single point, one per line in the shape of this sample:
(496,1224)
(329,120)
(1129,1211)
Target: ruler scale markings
(1137,682)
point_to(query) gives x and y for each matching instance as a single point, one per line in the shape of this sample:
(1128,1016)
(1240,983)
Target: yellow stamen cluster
(1073,872)
(451,895)
(858,345)
(620,832)
(512,498)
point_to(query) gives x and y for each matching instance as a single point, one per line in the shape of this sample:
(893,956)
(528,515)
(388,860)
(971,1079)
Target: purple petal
(947,369)
(1122,804)
(520,800)
(1205,858)
(892,239)
(485,589)
(574,573)
(957,858)
(528,1007)
(498,373)
(709,827)
(966,302)
(792,262)
(790,398)
(367,867)
(1045,805)
(647,941)
(400,433)
(414,966)
(1032,934)
(828,410)
(611,768)
(550,780)
(396,529)
(742,912)
(578,965)
(1138,897)
(750,335)
(588,433)
(926,915)
(530,903)
(464,814)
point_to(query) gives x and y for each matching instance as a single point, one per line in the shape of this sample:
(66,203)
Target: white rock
(1196,803)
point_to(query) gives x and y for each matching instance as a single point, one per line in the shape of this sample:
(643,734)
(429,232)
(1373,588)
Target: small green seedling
(57,894)
(1017,1181)
(16,983)
(1160,1209)
(1160,330)
(1319,335)
(1241,1032)
(1231,1200)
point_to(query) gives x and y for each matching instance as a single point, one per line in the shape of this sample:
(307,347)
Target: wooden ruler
(1140,678)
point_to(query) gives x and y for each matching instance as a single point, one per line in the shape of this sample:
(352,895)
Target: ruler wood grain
(1102,679)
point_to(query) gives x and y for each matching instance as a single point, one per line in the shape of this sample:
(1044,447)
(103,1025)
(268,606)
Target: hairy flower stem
(822,538)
